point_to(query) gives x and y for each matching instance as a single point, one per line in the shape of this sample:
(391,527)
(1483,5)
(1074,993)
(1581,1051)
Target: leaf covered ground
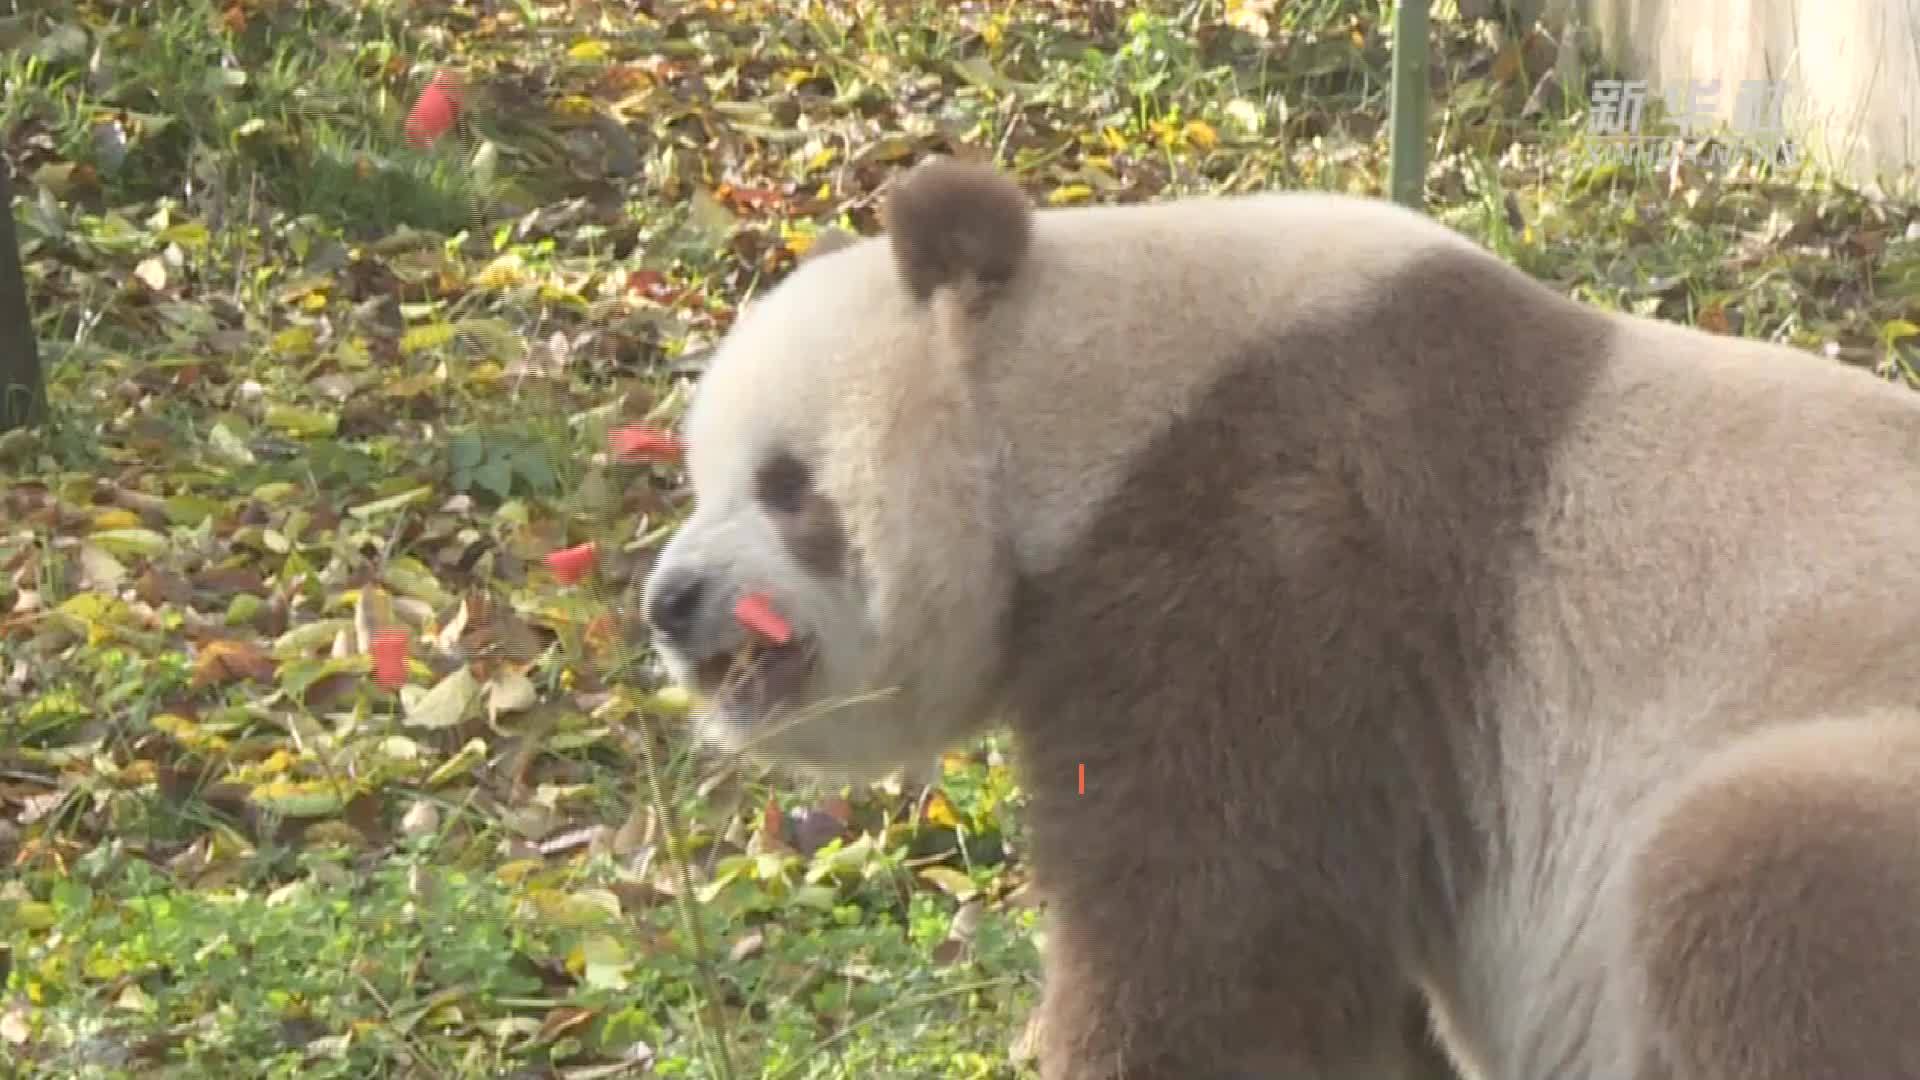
(313,382)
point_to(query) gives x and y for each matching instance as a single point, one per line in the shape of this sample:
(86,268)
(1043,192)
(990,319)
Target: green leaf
(307,637)
(229,447)
(406,576)
(446,704)
(496,476)
(298,676)
(306,423)
(470,755)
(537,470)
(130,541)
(606,962)
(190,235)
(465,450)
(392,502)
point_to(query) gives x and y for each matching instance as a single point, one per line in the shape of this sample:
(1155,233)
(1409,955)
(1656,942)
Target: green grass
(307,377)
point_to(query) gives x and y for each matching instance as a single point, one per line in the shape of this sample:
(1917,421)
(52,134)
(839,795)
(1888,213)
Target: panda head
(845,466)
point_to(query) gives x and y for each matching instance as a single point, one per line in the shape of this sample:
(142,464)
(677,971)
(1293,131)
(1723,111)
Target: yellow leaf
(1249,16)
(573,107)
(134,541)
(950,881)
(940,810)
(353,353)
(294,341)
(503,272)
(306,798)
(555,293)
(94,614)
(430,336)
(33,915)
(588,51)
(116,519)
(670,701)
(1201,134)
(1069,193)
(512,873)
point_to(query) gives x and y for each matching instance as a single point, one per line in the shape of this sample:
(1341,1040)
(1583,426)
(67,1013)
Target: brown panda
(1419,632)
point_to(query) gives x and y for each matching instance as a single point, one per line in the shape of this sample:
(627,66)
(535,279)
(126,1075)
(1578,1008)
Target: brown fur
(1778,900)
(1274,838)
(1426,638)
(954,222)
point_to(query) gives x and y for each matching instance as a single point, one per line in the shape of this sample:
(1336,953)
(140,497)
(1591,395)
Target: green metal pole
(1407,168)
(23,390)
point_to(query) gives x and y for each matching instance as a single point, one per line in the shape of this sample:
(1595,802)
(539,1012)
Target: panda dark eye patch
(782,483)
(804,518)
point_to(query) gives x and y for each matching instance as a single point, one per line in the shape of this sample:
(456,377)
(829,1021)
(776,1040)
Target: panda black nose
(673,604)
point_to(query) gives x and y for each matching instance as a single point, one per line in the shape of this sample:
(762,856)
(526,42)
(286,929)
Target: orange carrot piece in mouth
(756,613)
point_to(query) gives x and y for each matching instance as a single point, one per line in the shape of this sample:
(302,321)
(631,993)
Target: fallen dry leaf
(227,660)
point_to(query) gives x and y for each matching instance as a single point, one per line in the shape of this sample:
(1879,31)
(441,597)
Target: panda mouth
(758,677)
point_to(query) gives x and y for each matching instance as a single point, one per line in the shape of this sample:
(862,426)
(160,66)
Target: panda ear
(957,224)
(827,241)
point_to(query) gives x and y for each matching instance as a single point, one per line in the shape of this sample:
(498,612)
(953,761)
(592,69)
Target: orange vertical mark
(1083,778)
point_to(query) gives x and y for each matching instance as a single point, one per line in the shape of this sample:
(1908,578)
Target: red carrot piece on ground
(434,113)
(571,564)
(389,649)
(756,613)
(644,444)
